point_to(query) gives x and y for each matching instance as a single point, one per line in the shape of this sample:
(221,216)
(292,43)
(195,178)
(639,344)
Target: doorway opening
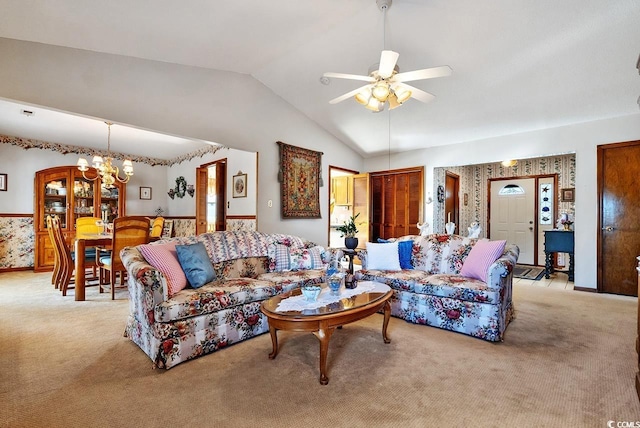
(211,201)
(341,201)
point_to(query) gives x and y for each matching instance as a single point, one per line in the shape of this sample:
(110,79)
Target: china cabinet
(65,192)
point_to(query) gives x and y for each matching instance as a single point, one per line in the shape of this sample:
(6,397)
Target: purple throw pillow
(481,256)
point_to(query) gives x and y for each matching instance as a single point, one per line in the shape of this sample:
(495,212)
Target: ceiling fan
(386,85)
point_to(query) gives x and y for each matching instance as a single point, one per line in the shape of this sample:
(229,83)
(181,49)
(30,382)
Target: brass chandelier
(106,171)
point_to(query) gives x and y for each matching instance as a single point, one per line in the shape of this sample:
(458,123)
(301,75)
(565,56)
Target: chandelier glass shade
(108,173)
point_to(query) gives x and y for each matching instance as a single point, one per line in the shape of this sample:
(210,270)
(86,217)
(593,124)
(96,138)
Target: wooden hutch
(65,192)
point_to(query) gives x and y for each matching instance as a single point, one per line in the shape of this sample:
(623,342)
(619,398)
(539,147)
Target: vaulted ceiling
(517,66)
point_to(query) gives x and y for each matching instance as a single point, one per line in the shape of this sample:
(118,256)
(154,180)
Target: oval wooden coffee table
(324,320)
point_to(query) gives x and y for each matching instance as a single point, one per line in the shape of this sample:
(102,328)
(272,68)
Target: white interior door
(512,215)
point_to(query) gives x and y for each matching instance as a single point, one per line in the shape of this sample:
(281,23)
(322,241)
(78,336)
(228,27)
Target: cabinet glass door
(55,200)
(83,198)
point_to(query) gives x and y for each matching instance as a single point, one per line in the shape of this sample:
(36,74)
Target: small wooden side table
(350,254)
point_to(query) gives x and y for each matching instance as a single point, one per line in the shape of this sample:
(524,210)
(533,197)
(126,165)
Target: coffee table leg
(385,323)
(323,336)
(274,342)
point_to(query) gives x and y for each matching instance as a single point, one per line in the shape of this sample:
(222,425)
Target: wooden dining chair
(89,226)
(156,227)
(127,232)
(57,268)
(67,257)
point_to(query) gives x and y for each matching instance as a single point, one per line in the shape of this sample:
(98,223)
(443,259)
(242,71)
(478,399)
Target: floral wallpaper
(184,227)
(16,242)
(474,179)
(242,224)
(27,143)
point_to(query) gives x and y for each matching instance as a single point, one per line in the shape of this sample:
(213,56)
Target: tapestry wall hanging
(300,177)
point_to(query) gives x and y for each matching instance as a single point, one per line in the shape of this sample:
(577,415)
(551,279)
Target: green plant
(348,229)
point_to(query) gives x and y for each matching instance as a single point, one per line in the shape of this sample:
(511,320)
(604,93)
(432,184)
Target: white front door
(512,215)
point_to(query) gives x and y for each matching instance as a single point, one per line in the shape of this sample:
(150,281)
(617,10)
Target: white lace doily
(299,303)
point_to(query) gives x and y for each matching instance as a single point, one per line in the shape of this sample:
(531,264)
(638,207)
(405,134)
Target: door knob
(608,228)
(531,229)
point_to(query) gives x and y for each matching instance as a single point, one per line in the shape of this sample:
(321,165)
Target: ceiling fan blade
(427,73)
(388,61)
(350,76)
(347,95)
(416,93)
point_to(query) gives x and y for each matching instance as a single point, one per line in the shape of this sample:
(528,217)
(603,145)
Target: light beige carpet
(568,360)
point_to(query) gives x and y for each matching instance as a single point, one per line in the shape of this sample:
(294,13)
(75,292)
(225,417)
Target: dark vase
(351,243)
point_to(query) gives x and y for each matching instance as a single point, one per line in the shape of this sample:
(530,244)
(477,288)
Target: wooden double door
(396,202)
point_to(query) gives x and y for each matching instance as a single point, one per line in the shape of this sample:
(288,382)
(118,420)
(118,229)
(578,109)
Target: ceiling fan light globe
(403,95)
(375,105)
(363,97)
(381,91)
(393,101)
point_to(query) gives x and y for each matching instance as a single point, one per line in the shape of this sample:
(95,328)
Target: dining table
(82,242)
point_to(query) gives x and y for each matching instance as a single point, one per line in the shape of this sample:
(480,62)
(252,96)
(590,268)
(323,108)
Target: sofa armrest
(503,267)
(147,285)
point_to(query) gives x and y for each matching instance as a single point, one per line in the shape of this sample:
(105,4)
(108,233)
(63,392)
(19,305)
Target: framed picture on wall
(3,182)
(240,186)
(145,192)
(567,195)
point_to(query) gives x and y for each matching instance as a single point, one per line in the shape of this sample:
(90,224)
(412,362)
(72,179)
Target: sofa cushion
(213,297)
(294,278)
(164,258)
(305,258)
(383,256)
(248,267)
(405,251)
(457,287)
(441,253)
(481,256)
(195,263)
(397,280)
(295,258)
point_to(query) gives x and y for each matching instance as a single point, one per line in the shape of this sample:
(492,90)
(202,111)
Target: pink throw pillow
(481,256)
(164,258)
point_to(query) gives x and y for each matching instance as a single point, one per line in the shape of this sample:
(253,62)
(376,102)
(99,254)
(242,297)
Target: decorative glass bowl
(311,292)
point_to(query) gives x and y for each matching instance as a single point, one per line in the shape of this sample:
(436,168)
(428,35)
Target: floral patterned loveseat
(198,321)
(434,293)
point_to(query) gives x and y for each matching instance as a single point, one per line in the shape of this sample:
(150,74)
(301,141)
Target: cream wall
(582,139)
(227,108)
(21,165)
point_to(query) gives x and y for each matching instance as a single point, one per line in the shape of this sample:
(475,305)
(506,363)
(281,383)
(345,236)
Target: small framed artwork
(145,193)
(240,186)
(567,195)
(3,182)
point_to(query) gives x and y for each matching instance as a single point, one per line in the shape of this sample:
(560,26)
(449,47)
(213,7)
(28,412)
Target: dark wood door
(619,217)
(396,198)
(452,200)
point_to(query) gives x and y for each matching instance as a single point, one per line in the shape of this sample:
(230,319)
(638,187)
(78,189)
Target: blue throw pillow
(195,263)
(405,248)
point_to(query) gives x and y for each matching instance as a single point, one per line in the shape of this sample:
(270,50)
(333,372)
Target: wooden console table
(558,241)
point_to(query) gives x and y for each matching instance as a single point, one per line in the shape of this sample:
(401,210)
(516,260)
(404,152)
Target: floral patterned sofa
(248,267)
(436,294)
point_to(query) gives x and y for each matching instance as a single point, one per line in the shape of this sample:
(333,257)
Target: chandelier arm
(90,179)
